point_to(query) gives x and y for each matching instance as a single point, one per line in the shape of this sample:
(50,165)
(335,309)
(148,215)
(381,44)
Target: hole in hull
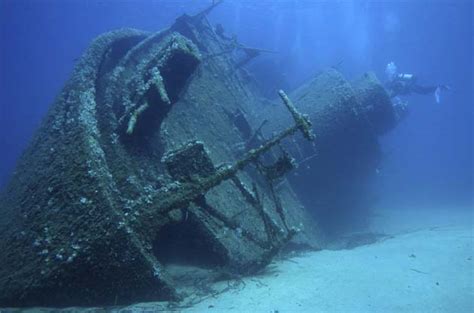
(184,243)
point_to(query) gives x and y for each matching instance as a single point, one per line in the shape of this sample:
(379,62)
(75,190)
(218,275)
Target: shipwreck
(159,149)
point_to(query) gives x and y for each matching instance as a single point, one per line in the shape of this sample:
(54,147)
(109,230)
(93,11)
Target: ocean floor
(426,265)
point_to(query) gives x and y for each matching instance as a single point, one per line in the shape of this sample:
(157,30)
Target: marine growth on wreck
(154,143)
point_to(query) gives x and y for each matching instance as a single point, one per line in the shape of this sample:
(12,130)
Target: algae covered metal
(336,171)
(157,141)
(137,146)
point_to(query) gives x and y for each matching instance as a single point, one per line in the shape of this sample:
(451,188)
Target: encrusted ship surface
(157,151)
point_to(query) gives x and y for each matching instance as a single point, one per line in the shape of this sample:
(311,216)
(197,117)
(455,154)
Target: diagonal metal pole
(189,191)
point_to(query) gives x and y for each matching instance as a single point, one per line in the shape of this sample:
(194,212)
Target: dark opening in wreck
(186,243)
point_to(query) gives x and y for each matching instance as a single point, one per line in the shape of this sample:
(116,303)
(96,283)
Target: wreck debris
(207,10)
(93,197)
(250,54)
(189,162)
(348,117)
(158,80)
(302,121)
(134,117)
(123,167)
(188,191)
(284,164)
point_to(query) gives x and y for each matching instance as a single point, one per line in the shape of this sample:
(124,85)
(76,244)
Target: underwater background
(424,179)
(428,158)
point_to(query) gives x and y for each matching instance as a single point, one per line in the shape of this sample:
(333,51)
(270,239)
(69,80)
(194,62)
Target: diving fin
(437,94)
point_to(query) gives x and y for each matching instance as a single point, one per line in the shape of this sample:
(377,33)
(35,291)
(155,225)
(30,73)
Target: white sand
(426,267)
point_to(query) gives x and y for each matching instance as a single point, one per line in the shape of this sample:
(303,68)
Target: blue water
(428,157)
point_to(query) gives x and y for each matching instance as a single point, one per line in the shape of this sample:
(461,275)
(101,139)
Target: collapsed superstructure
(156,150)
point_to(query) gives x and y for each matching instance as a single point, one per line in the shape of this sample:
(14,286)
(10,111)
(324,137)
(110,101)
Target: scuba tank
(406,77)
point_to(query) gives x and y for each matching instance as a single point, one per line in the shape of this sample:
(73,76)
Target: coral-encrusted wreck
(157,142)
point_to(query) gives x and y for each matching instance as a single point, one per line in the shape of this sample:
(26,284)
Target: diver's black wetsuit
(406,84)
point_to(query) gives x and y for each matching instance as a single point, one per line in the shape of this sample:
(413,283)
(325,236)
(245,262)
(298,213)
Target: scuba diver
(404,84)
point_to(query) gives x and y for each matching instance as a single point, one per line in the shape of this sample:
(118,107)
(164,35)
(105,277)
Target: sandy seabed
(425,266)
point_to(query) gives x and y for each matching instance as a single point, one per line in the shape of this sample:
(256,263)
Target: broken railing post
(302,121)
